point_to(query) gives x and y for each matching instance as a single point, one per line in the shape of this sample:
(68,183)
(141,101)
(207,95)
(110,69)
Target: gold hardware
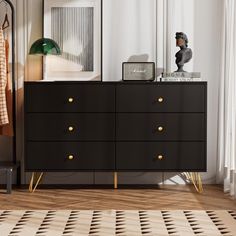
(35,181)
(160,128)
(160,157)
(196,180)
(71,128)
(115,180)
(160,99)
(70,100)
(70,157)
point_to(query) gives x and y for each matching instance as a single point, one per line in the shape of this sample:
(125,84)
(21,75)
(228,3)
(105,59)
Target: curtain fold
(226,172)
(129,34)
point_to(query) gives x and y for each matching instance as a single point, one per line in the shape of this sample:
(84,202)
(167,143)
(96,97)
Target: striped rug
(117,222)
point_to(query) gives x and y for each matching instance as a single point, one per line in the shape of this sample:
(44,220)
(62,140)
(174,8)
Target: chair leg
(9,180)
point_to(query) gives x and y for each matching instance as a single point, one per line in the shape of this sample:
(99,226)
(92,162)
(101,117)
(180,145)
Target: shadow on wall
(104,178)
(138,58)
(138,178)
(154,178)
(144,58)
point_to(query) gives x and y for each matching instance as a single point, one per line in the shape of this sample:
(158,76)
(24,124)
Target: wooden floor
(165,198)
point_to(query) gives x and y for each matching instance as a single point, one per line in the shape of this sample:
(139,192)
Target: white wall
(207,53)
(200,19)
(129,30)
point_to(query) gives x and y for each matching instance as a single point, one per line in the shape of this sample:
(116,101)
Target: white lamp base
(44,67)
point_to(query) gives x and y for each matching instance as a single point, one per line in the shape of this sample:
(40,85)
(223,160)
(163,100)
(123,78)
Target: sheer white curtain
(179,18)
(226,172)
(129,30)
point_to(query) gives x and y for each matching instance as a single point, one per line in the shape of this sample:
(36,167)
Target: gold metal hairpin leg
(115,180)
(196,180)
(34,181)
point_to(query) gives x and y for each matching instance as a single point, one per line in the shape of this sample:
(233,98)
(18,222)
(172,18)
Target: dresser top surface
(113,82)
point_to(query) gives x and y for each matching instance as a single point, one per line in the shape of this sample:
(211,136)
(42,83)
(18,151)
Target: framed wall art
(76,26)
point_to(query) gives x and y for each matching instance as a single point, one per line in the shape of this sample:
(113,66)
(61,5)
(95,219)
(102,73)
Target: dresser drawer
(79,97)
(163,156)
(70,126)
(160,127)
(55,156)
(161,97)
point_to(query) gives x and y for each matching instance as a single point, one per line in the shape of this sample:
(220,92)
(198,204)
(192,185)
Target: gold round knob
(160,157)
(70,157)
(160,128)
(71,128)
(160,99)
(70,100)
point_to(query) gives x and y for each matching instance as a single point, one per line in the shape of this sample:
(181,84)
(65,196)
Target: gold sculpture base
(196,180)
(34,181)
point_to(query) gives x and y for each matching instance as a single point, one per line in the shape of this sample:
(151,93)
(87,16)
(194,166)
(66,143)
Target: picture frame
(76,26)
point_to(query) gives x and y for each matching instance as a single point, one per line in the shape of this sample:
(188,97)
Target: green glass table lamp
(44,47)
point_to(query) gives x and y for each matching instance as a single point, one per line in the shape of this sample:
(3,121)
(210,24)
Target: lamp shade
(45,46)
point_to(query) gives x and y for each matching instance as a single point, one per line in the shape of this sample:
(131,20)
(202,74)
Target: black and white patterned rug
(117,222)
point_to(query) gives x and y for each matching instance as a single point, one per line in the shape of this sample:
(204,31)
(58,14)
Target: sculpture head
(181,39)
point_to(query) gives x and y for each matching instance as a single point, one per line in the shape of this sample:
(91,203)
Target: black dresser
(115,126)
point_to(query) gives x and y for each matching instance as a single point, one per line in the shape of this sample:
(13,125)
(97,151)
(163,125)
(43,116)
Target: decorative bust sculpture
(184,55)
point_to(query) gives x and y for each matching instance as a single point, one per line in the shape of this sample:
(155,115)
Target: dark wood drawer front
(161,98)
(53,156)
(160,127)
(70,127)
(51,97)
(163,156)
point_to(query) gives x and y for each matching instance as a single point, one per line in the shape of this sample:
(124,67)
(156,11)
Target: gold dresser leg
(196,180)
(34,181)
(115,180)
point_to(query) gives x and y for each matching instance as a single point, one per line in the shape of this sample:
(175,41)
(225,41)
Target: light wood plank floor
(165,198)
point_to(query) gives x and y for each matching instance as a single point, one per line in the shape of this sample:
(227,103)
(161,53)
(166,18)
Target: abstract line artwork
(73,29)
(75,25)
